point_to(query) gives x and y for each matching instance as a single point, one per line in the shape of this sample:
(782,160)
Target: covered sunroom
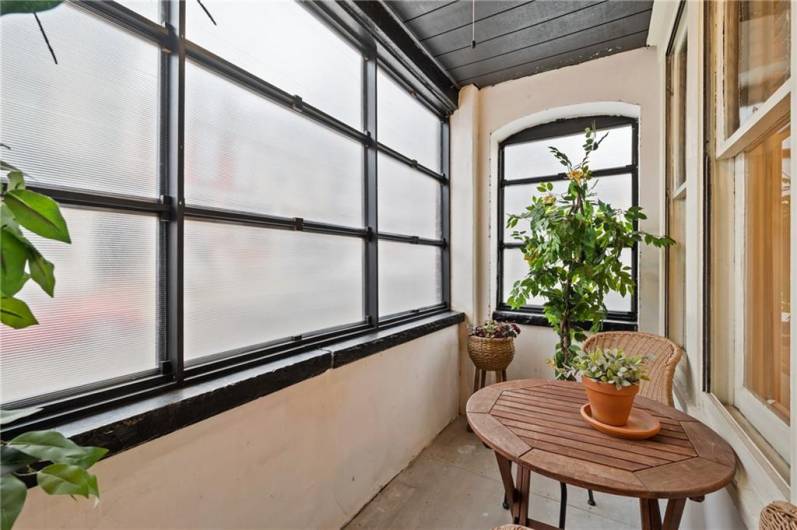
(397,264)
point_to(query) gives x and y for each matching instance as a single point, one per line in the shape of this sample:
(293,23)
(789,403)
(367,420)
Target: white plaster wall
(308,456)
(626,84)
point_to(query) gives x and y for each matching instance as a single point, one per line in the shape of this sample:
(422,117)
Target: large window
(676,184)
(525,162)
(752,222)
(229,195)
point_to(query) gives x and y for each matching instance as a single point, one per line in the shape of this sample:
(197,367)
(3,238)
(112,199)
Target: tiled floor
(454,483)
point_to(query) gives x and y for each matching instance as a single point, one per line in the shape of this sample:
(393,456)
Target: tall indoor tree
(572,244)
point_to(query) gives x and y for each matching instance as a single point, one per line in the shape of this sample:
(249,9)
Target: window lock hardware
(168,213)
(415,240)
(297,103)
(296,338)
(414,163)
(298,223)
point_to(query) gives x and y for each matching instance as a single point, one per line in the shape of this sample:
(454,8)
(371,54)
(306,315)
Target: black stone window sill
(134,423)
(536,319)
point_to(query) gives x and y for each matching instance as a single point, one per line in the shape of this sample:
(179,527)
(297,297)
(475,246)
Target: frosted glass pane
(405,124)
(533,159)
(615,190)
(281,42)
(515,268)
(409,201)
(146,8)
(246,153)
(102,322)
(409,277)
(91,120)
(248,285)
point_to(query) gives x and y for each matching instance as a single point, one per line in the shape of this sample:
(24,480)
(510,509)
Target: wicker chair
(778,515)
(662,354)
(662,357)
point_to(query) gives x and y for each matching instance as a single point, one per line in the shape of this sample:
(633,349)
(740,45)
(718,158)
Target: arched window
(524,162)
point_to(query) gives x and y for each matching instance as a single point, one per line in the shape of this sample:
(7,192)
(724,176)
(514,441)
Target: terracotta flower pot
(609,405)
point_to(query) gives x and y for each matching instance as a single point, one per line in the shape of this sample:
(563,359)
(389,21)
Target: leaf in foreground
(42,272)
(8,7)
(53,446)
(12,497)
(13,256)
(66,479)
(15,313)
(38,213)
(9,415)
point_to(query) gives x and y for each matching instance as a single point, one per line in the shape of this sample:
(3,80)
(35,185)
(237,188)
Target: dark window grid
(170,208)
(552,131)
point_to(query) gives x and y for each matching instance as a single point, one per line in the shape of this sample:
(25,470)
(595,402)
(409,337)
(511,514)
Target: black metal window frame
(553,130)
(172,211)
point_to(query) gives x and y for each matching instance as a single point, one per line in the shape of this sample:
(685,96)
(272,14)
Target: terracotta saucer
(640,426)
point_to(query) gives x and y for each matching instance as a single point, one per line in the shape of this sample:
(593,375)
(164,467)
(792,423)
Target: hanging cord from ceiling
(473,24)
(44,34)
(205,9)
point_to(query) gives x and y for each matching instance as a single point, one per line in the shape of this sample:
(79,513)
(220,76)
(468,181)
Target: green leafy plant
(58,465)
(610,366)
(20,260)
(572,244)
(491,329)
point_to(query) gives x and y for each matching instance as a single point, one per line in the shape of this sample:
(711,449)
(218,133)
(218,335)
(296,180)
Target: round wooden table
(536,424)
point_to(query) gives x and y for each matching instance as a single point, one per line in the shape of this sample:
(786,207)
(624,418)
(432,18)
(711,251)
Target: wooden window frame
(728,161)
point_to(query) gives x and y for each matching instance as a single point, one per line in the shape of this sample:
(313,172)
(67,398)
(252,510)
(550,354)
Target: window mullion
(370,193)
(173,113)
(445,198)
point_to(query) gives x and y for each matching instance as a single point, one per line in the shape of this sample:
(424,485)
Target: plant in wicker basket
(491,344)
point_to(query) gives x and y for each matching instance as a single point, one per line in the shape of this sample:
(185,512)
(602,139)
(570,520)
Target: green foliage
(492,329)
(59,465)
(7,7)
(20,260)
(610,366)
(572,244)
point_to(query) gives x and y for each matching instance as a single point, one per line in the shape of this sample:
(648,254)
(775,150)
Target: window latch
(298,224)
(297,103)
(168,211)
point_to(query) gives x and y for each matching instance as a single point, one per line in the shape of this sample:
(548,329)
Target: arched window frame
(551,130)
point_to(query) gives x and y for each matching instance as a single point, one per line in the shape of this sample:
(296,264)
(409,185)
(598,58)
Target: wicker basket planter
(491,354)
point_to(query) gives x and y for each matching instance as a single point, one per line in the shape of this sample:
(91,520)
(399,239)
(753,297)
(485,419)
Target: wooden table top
(537,423)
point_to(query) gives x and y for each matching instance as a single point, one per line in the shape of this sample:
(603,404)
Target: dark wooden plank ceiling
(519,38)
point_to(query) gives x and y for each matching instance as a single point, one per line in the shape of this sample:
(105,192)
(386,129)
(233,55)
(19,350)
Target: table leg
(672,516)
(523,482)
(505,467)
(651,516)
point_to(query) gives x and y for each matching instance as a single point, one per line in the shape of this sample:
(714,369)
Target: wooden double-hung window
(676,181)
(749,265)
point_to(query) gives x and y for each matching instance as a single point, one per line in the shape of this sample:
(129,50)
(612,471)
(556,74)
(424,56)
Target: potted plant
(572,244)
(611,380)
(491,345)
